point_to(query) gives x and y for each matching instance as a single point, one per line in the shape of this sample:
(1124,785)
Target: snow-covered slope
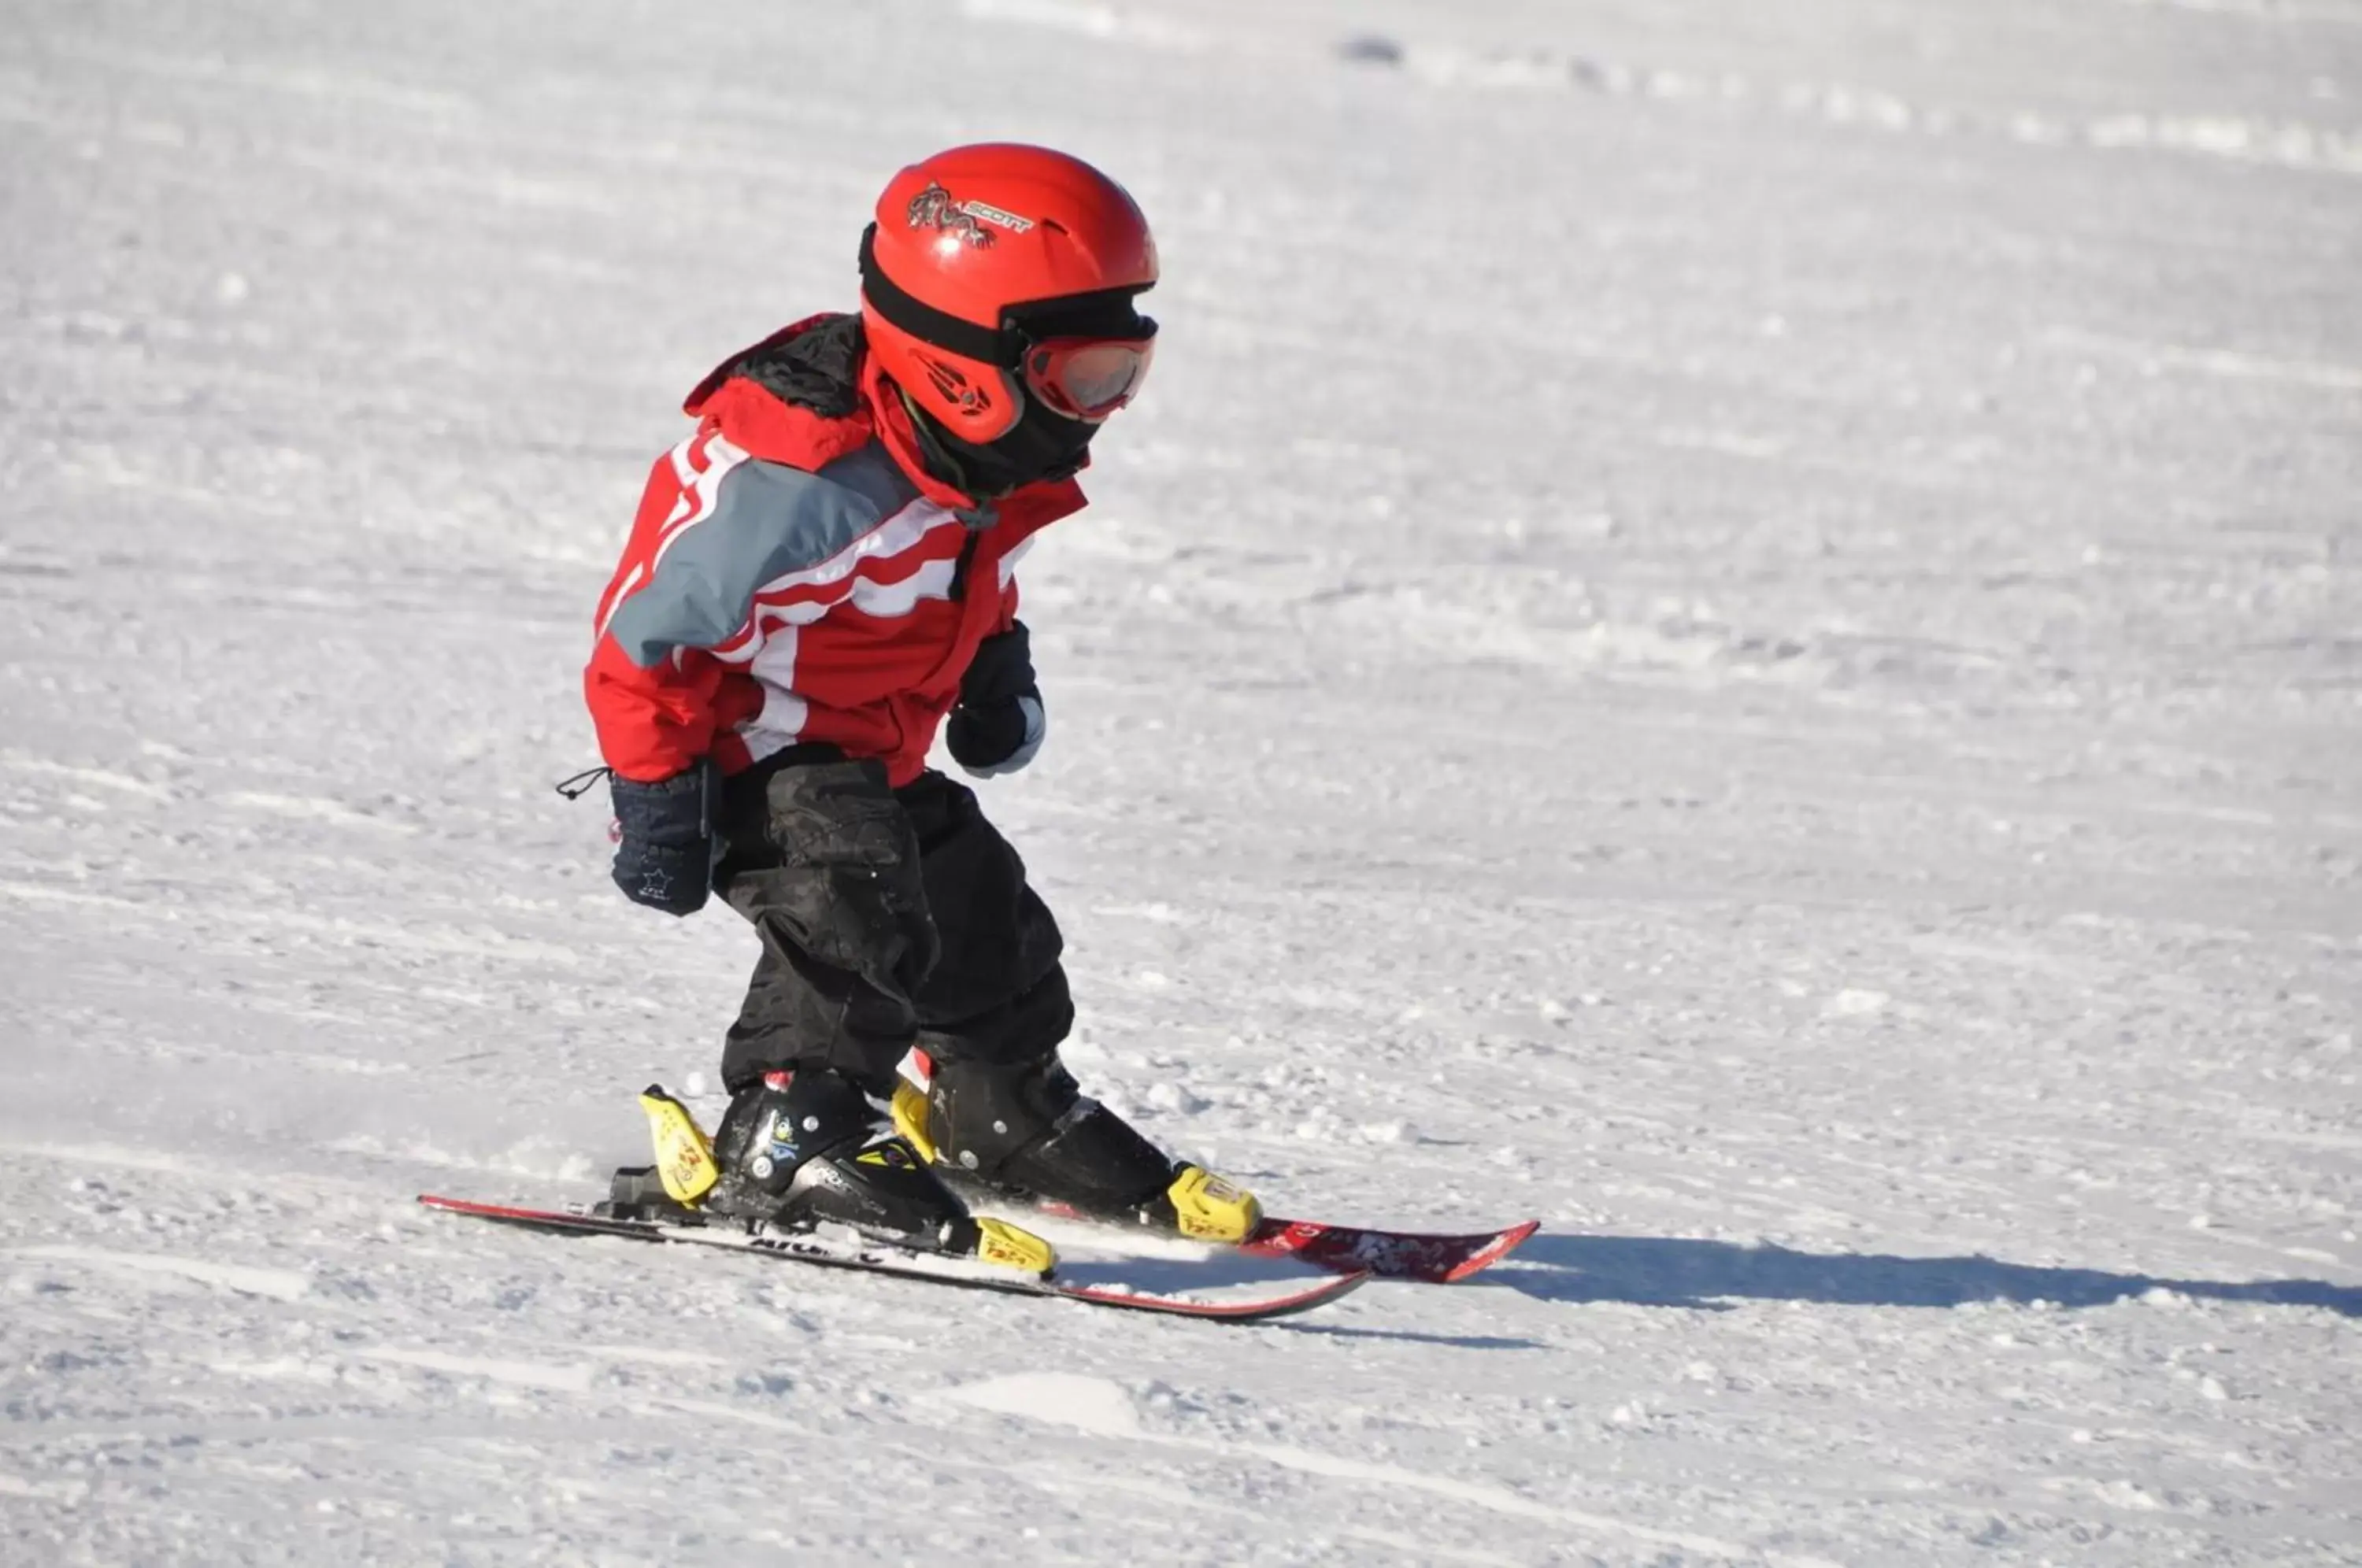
(1733,627)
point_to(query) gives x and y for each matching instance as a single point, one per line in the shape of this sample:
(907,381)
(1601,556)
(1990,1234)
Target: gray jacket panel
(767,520)
(872,474)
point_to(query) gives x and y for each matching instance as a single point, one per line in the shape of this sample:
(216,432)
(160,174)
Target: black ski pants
(889,918)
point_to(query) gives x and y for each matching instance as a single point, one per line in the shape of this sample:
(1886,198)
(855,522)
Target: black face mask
(1040,446)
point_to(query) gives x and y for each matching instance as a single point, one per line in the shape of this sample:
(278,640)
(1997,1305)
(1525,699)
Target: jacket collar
(771,428)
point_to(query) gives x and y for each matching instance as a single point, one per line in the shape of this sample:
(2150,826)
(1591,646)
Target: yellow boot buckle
(910,1119)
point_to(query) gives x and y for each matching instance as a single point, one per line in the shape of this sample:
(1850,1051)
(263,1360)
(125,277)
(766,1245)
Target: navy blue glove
(663,854)
(999,723)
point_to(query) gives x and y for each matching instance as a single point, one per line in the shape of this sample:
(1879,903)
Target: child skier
(819,578)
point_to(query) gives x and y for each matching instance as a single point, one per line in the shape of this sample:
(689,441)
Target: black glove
(999,723)
(664,856)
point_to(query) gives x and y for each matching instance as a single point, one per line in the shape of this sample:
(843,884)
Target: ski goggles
(1089,378)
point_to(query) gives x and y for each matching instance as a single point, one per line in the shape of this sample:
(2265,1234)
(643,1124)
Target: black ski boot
(806,1148)
(1028,1130)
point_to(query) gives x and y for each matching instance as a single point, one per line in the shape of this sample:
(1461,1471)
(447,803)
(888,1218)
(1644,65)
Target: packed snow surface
(1739,628)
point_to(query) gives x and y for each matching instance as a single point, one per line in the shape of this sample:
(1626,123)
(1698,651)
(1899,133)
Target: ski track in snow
(1733,628)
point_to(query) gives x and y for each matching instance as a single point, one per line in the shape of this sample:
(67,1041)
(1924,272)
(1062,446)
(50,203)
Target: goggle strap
(924,322)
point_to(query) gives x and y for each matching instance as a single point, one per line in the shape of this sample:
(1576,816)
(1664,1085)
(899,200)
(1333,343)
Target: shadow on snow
(1659,1271)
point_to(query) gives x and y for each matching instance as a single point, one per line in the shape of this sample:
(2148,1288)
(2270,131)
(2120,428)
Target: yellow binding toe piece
(1208,1208)
(999,1241)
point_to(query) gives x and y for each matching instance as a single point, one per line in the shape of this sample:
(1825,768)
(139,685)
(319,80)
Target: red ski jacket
(796,578)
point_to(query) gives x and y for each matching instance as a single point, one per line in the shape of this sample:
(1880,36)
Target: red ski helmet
(999,270)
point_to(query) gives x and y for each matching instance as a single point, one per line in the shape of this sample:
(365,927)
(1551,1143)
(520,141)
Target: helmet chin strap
(1042,445)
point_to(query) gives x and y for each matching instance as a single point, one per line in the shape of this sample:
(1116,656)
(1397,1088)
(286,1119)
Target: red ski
(1233,1303)
(1386,1255)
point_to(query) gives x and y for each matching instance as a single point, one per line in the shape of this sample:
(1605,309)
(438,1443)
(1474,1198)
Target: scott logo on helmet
(933,208)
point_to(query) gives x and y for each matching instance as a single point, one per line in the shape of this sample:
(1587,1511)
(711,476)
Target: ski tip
(1336,1287)
(454,1205)
(1348,1283)
(1343,1286)
(1493,1251)
(1318,1294)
